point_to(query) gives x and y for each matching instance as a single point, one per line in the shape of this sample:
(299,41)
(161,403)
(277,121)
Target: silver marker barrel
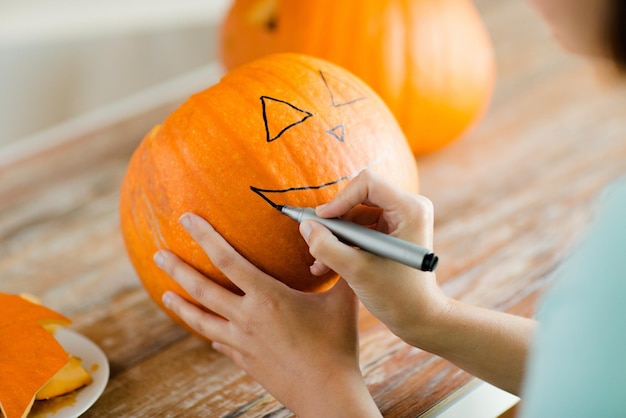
(366,239)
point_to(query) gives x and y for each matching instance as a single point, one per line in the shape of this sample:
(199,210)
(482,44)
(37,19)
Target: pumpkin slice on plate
(71,377)
(30,356)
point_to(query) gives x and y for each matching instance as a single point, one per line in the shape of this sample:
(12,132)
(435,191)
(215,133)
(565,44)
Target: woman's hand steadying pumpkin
(302,347)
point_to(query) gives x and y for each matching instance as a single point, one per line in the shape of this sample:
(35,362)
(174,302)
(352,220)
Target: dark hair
(617,34)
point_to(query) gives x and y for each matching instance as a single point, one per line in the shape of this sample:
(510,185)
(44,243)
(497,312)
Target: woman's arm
(489,344)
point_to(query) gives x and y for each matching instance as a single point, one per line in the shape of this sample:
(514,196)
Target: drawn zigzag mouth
(263,193)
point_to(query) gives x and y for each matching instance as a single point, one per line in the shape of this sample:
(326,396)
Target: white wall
(63,58)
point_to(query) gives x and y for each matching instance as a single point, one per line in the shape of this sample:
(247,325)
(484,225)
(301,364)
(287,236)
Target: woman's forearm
(491,345)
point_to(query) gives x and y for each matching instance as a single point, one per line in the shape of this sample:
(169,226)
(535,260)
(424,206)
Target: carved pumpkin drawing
(431,61)
(286,129)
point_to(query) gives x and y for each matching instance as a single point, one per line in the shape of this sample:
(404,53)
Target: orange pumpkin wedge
(29,355)
(70,378)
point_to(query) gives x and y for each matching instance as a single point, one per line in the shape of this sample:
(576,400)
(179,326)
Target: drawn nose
(337,132)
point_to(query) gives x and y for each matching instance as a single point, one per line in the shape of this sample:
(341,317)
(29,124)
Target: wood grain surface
(511,199)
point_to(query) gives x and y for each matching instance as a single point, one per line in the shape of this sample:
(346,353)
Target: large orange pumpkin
(286,129)
(430,60)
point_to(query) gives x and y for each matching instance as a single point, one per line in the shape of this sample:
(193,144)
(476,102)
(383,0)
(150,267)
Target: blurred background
(88,60)
(73,66)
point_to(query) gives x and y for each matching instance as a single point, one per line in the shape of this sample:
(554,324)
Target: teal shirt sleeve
(577,364)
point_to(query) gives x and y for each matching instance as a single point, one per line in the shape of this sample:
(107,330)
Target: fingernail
(321,207)
(305,230)
(159,259)
(185,221)
(167,299)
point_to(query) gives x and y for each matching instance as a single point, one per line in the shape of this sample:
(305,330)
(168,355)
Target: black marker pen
(366,239)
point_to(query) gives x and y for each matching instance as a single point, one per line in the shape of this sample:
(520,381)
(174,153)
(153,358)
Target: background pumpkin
(430,60)
(286,129)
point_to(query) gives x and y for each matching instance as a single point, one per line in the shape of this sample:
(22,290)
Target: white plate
(94,361)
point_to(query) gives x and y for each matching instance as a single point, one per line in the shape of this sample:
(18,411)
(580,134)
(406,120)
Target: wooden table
(510,200)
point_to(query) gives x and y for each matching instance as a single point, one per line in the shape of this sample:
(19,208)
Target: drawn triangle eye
(279,116)
(341,93)
(337,132)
